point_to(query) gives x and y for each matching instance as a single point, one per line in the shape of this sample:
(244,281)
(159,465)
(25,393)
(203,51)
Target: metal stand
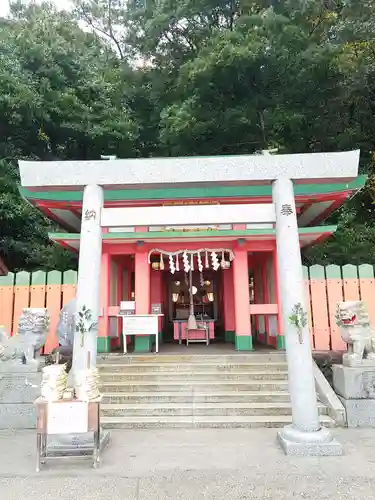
(93,426)
(205,340)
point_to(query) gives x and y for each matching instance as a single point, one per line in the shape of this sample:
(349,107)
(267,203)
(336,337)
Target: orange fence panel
(334,295)
(351,282)
(367,289)
(308,304)
(69,286)
(53,304)
(6,301)
(319,308)
(38,289)
(21,297)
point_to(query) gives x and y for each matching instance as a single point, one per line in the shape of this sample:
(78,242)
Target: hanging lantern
(171,264)
(225,264)
(175,297)
(161,262)
(215,261)
(210,296)
(155,266)
(186,262)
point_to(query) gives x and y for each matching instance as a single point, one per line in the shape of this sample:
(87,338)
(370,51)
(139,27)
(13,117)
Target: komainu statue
(353,320)
(30,338)
(65,330)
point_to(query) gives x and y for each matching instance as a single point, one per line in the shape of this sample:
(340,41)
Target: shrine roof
(148,173)
(314,202)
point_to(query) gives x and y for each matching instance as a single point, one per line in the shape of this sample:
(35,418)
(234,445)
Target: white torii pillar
(89,268)
(305,436)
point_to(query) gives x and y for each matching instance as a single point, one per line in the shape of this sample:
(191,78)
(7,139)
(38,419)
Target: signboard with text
(67,418)
(140,325)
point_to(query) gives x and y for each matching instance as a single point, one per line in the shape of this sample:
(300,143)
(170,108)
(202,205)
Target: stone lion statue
(354,323)
(30,338)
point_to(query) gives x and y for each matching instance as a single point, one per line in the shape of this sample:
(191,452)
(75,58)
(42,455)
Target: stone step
(193,377)
(192,367)
(196,397)
(155,422)
(191,358)
(198,409)
(200,386)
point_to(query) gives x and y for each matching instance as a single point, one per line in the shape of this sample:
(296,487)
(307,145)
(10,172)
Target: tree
(62,95)
(185,77)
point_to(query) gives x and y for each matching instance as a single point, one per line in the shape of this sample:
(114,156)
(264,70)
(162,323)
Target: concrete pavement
(191,464)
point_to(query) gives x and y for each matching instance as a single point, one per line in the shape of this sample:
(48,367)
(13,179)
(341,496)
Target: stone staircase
(191,391)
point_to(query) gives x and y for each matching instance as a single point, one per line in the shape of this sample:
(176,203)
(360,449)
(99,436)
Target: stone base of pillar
(103,344)
(309,444)
(280,342)
(244,343)
(229,336)
(142,343)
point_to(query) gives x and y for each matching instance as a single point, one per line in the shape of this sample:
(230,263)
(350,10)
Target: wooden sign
(190,202)
(67,418)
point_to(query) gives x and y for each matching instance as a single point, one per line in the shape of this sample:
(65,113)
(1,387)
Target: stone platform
(355,387)
(19,388)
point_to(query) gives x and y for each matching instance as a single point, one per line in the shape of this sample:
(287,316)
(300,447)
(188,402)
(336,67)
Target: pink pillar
(156,295)
(103,342)
(156,287)
(265,295)
(142,296)
(280,341)
(242,301)
(229,322)
(142,283)
(117,341)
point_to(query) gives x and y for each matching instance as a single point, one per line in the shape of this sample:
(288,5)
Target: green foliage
(185,77)
(62,95)
(84,323)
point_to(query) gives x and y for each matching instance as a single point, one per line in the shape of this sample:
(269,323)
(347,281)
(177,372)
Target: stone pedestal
(355,387)
(19,388)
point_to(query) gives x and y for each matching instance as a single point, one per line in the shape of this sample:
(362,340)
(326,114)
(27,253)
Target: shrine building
(210,244)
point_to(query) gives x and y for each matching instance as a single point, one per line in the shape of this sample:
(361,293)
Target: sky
(4,5)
